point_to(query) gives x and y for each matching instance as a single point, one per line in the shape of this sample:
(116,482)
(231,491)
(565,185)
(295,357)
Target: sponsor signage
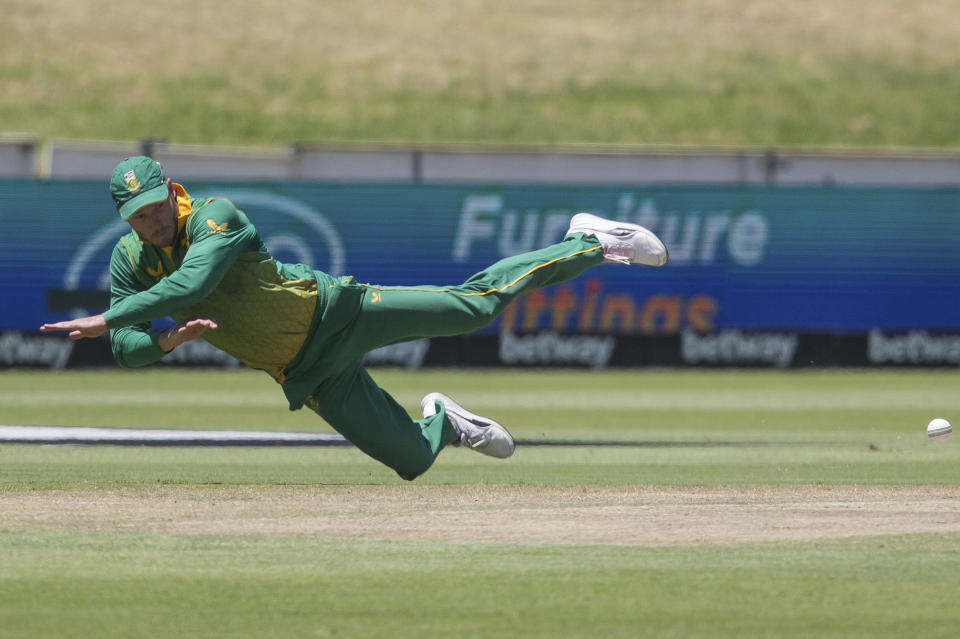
(753,270)
(736,347)
(915,347)
(546,349)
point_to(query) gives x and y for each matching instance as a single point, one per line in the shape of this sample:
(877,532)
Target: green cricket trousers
(352,403)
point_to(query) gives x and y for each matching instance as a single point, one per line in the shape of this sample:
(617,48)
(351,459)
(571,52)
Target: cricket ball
(939,429)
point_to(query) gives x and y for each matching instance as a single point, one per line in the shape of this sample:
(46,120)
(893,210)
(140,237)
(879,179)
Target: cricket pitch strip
(630,515)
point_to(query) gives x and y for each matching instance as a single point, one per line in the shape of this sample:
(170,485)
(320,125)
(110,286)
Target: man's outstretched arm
(91,326)
(134,345)
(94,326)
(211,254)
(166,341)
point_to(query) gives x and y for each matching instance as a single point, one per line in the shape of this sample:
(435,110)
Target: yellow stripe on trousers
(492,290)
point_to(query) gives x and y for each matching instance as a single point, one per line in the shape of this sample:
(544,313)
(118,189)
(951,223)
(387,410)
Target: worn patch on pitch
(606,515)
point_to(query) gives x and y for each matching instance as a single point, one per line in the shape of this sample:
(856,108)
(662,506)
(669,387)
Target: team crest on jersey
(130,179)
(219,229)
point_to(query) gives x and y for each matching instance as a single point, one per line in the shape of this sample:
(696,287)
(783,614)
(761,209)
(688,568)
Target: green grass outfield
(258,542)
(133,585)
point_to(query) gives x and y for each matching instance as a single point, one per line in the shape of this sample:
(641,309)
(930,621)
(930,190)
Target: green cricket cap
(136,182)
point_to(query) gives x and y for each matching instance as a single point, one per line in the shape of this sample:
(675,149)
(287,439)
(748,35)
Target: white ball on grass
(939,429)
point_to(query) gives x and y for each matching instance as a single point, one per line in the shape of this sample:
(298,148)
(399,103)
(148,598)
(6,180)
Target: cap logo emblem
(130,179)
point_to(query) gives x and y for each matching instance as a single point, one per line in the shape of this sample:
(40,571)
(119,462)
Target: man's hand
(191,329)
(92,326)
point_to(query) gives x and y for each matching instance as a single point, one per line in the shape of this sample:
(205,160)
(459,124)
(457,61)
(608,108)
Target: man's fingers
(189,330)
(203,327)
(92,326)
(62,326)
(203,324)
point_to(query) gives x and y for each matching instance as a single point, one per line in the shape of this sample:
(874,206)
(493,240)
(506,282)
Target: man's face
(157,223)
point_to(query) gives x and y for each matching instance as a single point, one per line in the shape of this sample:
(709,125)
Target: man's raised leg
(396,313)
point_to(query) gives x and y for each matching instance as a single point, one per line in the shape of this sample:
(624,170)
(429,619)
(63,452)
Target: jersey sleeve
(131,345)
(219,235)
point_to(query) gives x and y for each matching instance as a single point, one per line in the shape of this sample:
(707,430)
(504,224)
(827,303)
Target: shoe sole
(588,219)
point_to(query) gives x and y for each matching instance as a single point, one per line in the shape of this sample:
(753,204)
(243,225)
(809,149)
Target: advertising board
(752,269)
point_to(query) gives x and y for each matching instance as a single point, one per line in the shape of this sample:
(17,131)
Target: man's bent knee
(412,472)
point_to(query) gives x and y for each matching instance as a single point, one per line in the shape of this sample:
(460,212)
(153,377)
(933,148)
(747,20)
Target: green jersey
(269,314)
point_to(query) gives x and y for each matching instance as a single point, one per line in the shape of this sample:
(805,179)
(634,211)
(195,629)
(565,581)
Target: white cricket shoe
(622,242)
(479,433)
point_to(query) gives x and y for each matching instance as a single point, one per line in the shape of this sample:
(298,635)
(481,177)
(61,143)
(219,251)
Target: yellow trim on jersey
(184,209)
(492,290)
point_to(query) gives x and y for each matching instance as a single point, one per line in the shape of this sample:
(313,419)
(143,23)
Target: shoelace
(478,437)
(474,441)
(618,251)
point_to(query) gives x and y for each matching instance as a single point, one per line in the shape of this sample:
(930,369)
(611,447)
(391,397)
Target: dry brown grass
(649,71)
(437,44)
(607,515)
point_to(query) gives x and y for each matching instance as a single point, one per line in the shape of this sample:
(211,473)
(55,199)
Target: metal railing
(25,157)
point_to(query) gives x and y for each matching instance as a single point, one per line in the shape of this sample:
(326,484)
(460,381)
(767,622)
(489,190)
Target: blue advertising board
(811,259)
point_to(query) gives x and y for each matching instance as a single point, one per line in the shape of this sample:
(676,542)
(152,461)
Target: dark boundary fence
(778,350)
